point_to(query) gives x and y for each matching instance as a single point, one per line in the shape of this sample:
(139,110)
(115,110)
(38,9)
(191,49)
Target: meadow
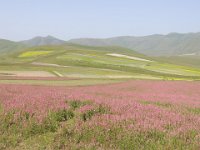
(136,114)
(70,60)
(79,97)
(122,75)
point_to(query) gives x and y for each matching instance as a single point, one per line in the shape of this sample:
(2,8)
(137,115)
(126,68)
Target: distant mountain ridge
(39,41)
(7,46)
(173,44)
(153,45)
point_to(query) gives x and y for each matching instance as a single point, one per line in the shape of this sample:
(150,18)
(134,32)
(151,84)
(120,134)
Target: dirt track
(26,73)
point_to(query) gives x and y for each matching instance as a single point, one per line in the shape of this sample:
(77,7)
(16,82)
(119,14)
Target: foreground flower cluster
(172,107)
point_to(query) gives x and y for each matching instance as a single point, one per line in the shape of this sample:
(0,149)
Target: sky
(68,19)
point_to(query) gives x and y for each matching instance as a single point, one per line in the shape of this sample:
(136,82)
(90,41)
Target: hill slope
(173,44)
(154,45)
(192,61)
(71,60)
(7,46)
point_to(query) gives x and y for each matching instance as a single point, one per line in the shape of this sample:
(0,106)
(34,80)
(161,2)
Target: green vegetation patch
(117,137)
(160,104)
(75,82)
(75,104)
(194,110)
(101,109)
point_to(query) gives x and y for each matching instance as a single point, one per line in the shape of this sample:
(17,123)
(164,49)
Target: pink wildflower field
(137,114)
(146,104)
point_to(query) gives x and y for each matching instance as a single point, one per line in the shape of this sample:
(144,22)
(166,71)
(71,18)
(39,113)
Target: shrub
(101,109)
(63,115)
(88,115)
(75,104)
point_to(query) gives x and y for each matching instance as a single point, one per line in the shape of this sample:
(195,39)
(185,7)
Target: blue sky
(66,19)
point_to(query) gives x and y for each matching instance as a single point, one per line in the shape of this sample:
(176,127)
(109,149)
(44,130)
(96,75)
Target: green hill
(70,60)
(191,61)
(7,46)
(173,44)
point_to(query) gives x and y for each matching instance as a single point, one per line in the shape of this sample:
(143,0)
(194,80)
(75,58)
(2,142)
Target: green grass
(191,61)
(71,82)
(156,103)
(93,62)
(194,110)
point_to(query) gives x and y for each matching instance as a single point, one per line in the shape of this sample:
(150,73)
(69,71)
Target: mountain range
(153,45)
(173,44)
(7,46)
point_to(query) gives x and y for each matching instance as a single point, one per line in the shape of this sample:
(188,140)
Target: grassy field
(191,61)
(92,62)
(52,82)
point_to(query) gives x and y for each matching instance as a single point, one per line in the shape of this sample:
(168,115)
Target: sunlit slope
(95,62)
(192,61)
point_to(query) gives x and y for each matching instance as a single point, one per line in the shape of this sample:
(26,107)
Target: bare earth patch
(47,64)
(129,57)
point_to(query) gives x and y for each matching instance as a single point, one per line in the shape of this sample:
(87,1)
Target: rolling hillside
(153,45)
(77,61)
(173,44)
(7,46)
(192,61)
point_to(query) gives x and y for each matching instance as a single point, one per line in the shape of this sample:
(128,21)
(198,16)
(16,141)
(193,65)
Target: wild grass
(194,110)
(84,58)
(157,103)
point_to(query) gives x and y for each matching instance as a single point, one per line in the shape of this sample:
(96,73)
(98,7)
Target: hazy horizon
(25,19)
(43,36)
